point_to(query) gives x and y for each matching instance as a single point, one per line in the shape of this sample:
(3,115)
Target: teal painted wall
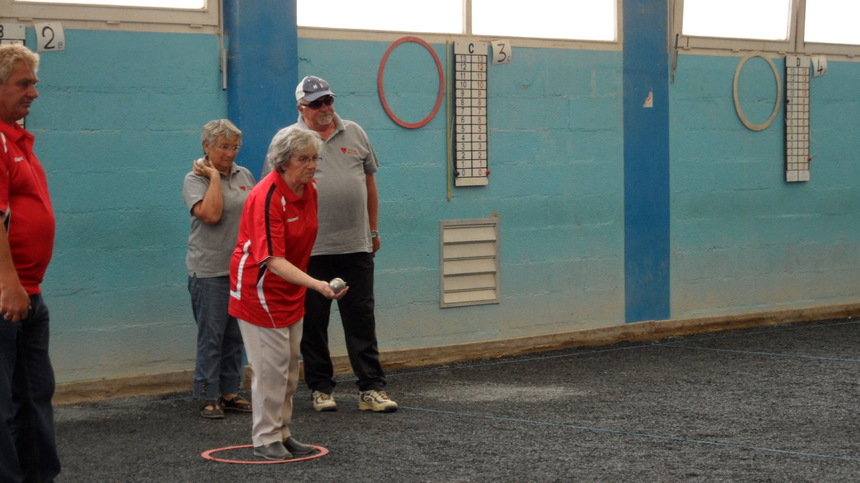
(118,122)
(742,238)
(555,184)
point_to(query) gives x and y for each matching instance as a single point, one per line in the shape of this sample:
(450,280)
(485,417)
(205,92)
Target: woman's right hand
(324,288)
(202,167)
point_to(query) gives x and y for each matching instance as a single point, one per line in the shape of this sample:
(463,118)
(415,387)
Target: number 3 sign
(49,37)
(502,51)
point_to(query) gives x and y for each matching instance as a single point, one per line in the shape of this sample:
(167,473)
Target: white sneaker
(324,402)
(376,401)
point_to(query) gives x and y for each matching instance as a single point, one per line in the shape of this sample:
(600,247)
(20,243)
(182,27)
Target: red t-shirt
(275,223)
(25,206)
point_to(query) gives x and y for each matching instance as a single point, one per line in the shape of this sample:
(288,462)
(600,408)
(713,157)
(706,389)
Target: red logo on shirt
(349,151)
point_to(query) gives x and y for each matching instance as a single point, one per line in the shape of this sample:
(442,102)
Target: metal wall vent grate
(470,262)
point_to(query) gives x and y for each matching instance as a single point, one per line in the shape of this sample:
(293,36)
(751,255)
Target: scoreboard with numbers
(470,119)
(796,118)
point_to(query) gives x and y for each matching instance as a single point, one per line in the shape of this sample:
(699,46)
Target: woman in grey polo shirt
(215,191)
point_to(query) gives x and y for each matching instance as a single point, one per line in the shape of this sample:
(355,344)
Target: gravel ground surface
(778,403)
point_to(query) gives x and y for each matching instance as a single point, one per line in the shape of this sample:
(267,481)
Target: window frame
(108,17)
(681,43)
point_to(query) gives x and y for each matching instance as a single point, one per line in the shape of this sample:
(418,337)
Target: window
(832,22)
(440,16)
(179,4)
(550,19)
(744,19)
(146,15)
(587,20)
(783,26)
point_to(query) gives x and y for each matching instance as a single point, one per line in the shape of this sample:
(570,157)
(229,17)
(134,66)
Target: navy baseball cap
(312,88)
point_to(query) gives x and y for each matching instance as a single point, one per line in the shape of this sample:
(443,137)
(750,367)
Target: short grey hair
(13,54)
(286,142)
(219,128)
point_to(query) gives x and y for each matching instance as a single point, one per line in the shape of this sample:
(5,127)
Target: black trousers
(28,450)
(357,317)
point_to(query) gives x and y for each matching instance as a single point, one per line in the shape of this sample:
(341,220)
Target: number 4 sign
(49,37)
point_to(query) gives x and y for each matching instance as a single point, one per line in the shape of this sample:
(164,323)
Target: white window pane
(440,16)
(550,19)
(182,4)
(832,22)
(744,19)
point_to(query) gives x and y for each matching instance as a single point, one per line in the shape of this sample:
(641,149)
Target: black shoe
(273,451)
(209,409)
(298,449)
(238,403)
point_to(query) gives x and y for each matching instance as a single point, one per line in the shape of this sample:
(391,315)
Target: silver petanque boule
(337,285)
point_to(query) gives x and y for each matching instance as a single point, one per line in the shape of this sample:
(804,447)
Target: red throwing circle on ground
(209,456)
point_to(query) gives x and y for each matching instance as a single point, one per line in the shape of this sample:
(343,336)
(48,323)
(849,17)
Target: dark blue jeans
(28,449)
(356,315)
(218,367)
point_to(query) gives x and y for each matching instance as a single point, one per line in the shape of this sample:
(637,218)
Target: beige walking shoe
(376,401)
(324,402)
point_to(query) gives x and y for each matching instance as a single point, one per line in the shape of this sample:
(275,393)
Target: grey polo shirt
(346,158)
(210,247)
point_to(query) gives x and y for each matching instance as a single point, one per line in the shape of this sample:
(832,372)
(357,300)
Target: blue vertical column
(262,52)
(646,160)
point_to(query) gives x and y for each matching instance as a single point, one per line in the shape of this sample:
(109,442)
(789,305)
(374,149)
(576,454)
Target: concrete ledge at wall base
(647,331)
(652,330)
(150,385)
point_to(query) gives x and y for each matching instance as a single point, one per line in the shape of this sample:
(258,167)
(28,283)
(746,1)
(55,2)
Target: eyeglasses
(327,100)
(307,159)
(227,147)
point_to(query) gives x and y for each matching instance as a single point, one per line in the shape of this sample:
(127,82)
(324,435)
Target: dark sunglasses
(327,101)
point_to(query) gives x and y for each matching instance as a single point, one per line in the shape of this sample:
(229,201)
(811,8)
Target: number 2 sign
(49,37)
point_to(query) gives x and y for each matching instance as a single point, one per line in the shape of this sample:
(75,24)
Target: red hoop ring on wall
(381,89)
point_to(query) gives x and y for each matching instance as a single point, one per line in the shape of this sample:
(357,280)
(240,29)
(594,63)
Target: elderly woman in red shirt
(268,284)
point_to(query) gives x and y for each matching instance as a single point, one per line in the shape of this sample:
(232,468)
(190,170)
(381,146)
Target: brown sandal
(236,404)
(209,409)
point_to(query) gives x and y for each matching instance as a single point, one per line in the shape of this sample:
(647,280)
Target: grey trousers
(273,355)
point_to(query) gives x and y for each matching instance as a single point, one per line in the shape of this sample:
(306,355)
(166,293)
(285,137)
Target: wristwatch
(374,233)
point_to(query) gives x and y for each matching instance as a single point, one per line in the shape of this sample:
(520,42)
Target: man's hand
(14,300)
(377,244)
(14,303)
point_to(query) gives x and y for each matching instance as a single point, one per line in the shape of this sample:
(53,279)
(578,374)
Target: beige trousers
(273,355)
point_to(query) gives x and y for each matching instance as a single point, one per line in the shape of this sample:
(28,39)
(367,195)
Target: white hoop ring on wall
(381,89)
(743,118)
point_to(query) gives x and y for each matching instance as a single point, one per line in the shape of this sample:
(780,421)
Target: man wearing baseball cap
(346,244)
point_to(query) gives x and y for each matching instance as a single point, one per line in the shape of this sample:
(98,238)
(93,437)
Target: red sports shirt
(275,223)
(25,206)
